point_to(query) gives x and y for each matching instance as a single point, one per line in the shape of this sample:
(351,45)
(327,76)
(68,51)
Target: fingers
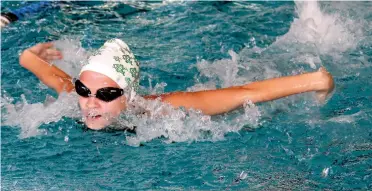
(50,54)
(54,57)
(54,53)
(36,49)
(50,58)
(46,51)
(47,45)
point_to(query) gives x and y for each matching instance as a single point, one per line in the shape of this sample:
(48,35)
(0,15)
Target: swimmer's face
(97,113)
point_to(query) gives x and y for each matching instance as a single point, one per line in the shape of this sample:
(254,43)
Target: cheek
(116,106)
(82,102)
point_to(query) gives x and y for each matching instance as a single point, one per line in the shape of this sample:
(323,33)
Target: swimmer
(108,84)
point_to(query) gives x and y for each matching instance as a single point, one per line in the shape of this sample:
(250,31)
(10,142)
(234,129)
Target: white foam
(29,117)
(224,70)
(347,118)
(326,32)
(179,125)
(238,70)
(74,56)
(314,33)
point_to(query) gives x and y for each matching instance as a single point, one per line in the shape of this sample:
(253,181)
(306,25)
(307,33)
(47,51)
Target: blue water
(291,144)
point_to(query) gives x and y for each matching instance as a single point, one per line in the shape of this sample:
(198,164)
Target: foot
(326,85)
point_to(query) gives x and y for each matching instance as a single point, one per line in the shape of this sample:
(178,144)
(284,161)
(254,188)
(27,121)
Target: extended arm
(219,101)
(36,58)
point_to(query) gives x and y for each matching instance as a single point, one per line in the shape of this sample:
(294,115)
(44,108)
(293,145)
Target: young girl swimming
(108,84)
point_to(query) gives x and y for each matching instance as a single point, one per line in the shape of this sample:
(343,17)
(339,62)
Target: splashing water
(31,116)
(326,32)
(179,125)
(224,71)
(313,34)
(323,33)
(74,56)
(159,120)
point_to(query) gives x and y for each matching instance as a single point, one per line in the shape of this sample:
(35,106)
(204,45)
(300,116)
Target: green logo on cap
(134,72)
(128,80)
(127,59)
(135,86)
(120,69)
(125,50)
(117,58)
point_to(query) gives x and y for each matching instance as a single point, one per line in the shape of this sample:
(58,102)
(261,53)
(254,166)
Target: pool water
(288,144)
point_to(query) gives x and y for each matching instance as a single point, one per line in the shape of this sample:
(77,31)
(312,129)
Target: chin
(96,125)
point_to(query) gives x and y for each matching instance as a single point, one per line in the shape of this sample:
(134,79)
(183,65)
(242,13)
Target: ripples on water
(286,144)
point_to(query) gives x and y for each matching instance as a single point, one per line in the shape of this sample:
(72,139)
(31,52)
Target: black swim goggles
(105,94)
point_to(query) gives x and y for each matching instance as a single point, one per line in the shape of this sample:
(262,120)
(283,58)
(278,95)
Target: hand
(327,85)
(46,52)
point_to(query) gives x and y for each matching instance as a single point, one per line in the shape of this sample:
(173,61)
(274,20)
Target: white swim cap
(115,60)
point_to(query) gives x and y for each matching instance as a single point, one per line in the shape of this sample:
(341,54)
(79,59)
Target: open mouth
(94,116)
(97,116)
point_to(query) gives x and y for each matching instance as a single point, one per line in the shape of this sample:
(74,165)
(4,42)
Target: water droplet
(66,138)
(325,172)
(243,175)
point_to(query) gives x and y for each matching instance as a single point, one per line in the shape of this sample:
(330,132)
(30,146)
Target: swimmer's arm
(212,102)
(34,60)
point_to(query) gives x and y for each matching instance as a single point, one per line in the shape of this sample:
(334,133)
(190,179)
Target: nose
(92,102)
